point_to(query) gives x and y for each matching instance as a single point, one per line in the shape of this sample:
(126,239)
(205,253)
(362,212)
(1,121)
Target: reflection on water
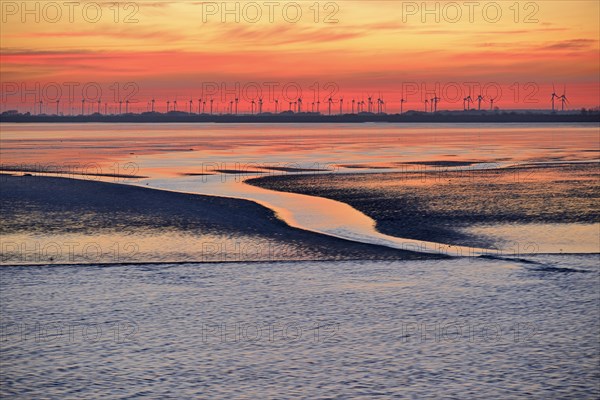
(179,148)
(466,328)
(168,152)
(316,214)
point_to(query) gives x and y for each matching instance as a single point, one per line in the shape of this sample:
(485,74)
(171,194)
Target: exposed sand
(34,205)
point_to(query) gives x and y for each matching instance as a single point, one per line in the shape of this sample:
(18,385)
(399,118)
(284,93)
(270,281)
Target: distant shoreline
(288,117)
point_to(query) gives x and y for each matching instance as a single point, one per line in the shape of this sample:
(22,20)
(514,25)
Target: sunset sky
(186,49)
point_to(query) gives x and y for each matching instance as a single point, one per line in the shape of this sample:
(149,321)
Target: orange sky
(351,49)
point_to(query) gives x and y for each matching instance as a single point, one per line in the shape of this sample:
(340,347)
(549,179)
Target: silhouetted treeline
(289,117)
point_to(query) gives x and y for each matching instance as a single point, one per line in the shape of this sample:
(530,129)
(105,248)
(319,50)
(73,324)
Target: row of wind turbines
(256,106)
(356,106)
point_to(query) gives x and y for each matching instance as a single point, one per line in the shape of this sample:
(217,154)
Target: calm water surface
(459,329)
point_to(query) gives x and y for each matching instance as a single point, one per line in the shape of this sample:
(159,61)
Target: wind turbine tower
(479,99)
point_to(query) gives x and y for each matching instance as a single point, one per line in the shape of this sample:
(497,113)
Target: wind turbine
(492,104)
(370,103)
(191,104)
(252,107)
(330,101)
(174,105)
(318,102)
(127,106)
(230,106)
(153,104)
(57,103)
(468,100)
(352,106)
(553,96)
(479,99)
(402,101)
(121,106)
(563,99)
(99,105)
(426,102)
(341,105)
(276,105)
(260,104)
(168,102)
(299,104)
(431,103)
(435,102)
(82,106)
(211,106)
(237,100)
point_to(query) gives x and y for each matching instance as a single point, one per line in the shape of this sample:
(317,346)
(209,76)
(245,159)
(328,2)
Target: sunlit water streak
(340,220)
(316,214)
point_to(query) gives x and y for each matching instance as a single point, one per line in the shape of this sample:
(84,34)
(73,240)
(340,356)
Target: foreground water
(462,328)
